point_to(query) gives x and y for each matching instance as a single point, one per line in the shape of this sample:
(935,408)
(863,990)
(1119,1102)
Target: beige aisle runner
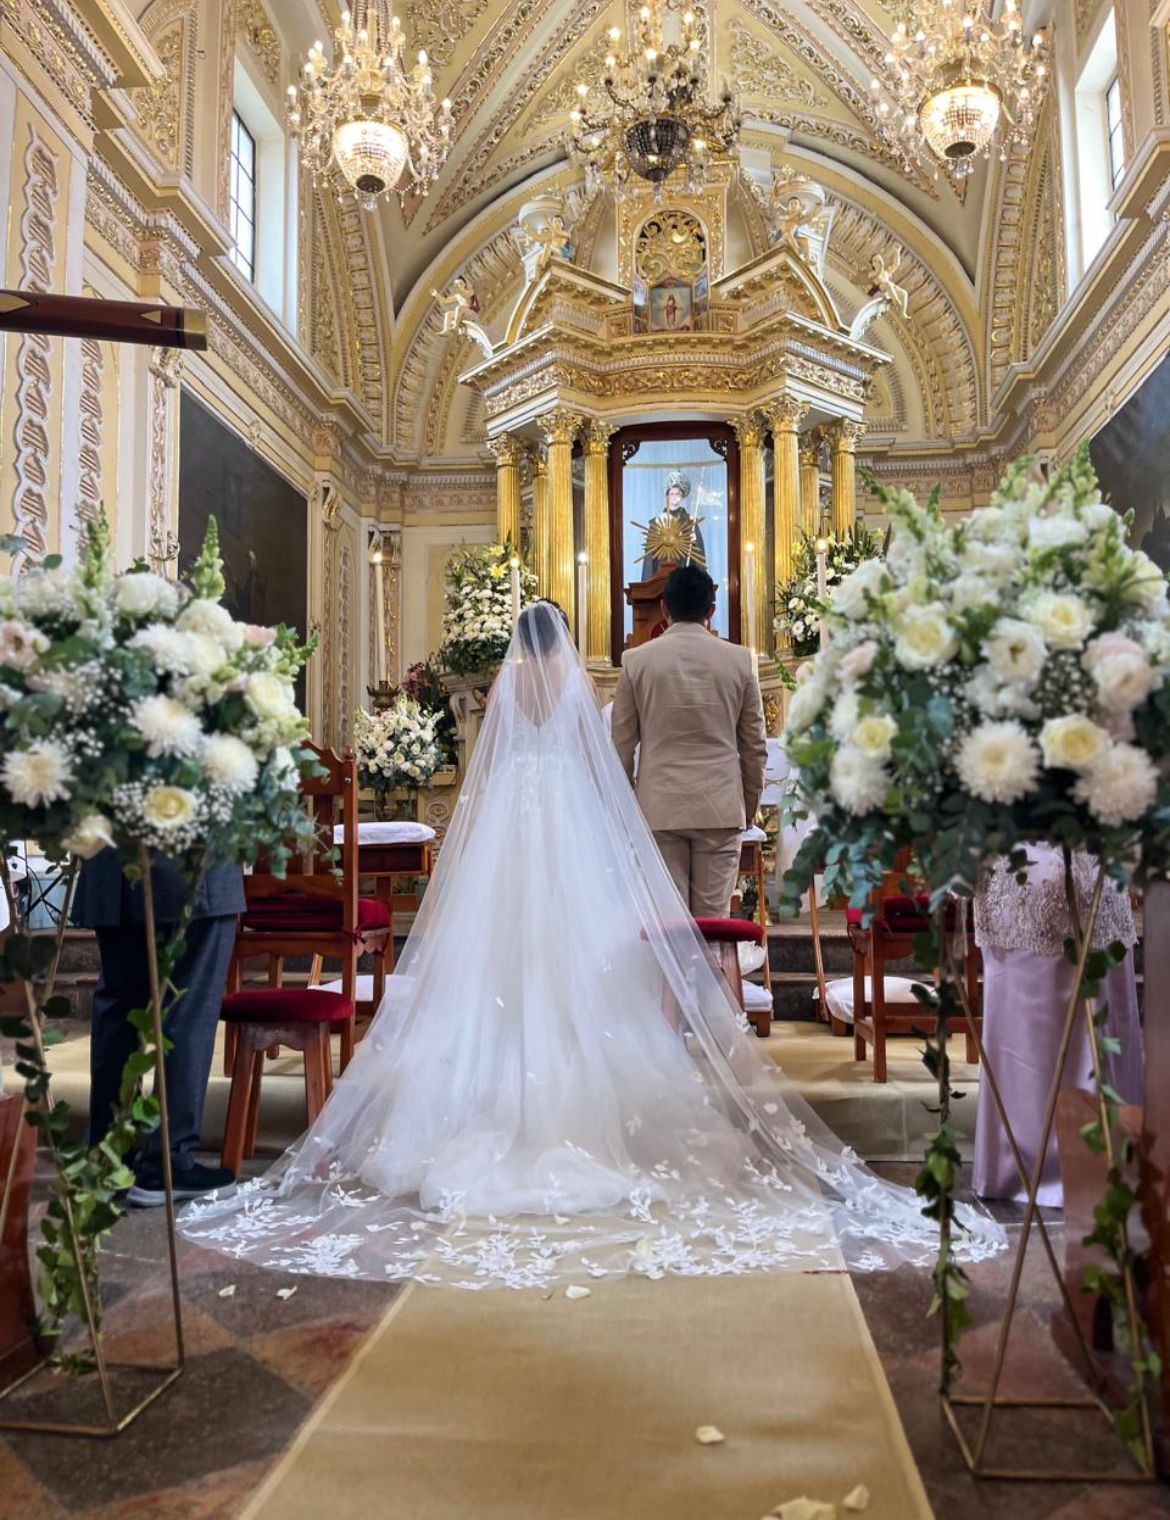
(503,1405)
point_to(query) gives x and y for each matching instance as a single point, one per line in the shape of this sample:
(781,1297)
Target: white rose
(205,654)
(906,557)
(204,616)
(805,707)
(1016,651)
(90,835)
(1061,530)
(145,594)
(269,696)
(1065,620)
(1124,681)
(845,716)
(1072,743)
(229,763)
(874,735)
(994,561)
(925,638)
(968,590)
(169,807)
(998,699)
(1147,585)
(849,598)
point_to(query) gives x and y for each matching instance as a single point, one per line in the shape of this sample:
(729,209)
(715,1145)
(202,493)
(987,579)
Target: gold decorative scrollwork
(671,244)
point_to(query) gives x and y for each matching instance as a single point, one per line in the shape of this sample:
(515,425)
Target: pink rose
(258,637)
(858,662)
(20,644)
(1108,646)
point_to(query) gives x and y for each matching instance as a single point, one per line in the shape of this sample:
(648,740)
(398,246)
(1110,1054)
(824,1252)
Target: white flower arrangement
(798,602)
(399,747)
(477,623)
(991,682)
(136,711)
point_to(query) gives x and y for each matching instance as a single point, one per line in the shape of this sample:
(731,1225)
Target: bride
(558,1084)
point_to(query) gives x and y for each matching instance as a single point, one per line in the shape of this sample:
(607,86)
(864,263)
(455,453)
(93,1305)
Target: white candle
(823,582)
(749,596)
(379,615)
(514,567)
(582,603)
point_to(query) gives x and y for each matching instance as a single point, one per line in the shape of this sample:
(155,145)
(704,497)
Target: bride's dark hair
(537,630)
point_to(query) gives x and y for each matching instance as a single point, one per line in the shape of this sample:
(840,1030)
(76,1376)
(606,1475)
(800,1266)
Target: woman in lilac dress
(1027,982)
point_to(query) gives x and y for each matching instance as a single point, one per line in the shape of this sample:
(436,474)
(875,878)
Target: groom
(693,704)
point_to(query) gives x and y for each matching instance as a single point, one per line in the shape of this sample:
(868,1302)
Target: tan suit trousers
(705,866)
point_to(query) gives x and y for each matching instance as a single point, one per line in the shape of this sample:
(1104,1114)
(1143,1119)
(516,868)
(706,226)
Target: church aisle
(512,1405)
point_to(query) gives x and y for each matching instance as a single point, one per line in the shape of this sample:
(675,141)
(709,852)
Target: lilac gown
(1027,982)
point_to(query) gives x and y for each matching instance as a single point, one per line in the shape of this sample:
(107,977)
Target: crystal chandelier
(954,80)
(367,121)
(649,114)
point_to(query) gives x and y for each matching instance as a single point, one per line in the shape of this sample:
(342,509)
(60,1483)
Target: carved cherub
(794,229)
(551,238)
(455,305)
(884,285)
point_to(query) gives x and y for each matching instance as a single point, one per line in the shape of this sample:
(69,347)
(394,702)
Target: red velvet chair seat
(730,931)
(299,913)
(286,1005)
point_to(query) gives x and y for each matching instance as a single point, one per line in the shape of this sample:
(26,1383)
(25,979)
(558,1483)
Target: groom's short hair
(689,594)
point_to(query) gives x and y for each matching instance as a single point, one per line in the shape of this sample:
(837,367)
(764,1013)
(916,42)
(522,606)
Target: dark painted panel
(1131,455)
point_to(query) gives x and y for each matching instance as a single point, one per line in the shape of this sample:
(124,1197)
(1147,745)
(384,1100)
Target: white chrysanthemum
(849,599)
(169,807)
(91,834)
(874,735)
(997,762)
(229,763)
(805,707)
(1064,619)
(48,593)
(857,783)
(39,774)
(21,645)
(1120,787)
(996,698)
(925,638)
(1072,743)
(203,616)
(1061,530)
(168,727)
(169,649)
(1016,651)
(145,594)
(985,526)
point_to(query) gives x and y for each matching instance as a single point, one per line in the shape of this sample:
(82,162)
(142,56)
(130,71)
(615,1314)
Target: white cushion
(388,833)
(756,999)
(398,988)
(839,994)
(754,835)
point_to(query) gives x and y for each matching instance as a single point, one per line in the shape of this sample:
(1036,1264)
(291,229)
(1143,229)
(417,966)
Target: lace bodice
(1034,915)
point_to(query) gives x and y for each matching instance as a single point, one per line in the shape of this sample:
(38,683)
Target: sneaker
(192,1181)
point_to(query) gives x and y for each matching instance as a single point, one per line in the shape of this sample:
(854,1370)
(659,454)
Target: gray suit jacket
(693,704)
(104,899)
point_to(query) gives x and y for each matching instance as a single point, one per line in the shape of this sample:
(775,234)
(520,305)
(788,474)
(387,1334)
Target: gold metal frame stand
(975,1453)
(162,1374)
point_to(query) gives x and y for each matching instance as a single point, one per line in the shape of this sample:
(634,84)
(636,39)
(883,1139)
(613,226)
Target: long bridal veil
(558,1084)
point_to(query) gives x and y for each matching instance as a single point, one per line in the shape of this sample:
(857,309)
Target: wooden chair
(301,1018)
(898,919)
(315,909)
(724,937)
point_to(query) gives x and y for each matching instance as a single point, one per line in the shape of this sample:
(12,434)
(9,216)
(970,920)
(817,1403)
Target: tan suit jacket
(693,704)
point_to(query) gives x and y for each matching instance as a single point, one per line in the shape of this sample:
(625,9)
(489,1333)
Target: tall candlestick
(379,614)
(749,594)
(514,567)
(582,603)
(823,583)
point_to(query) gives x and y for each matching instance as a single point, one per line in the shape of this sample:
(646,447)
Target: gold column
(597,634)
(559,429)
(752,529)
(810,485)
(508,452)
(785,415)
(540,521)
(843,438)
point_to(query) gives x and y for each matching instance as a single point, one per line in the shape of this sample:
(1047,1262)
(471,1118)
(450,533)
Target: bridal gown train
(558,1084)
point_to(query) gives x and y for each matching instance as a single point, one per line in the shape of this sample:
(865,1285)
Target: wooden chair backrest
(329,800)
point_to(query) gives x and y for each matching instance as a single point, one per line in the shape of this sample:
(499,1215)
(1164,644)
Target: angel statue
(883,286)
(794,229)
(455,305)
(674,537)
(552,238)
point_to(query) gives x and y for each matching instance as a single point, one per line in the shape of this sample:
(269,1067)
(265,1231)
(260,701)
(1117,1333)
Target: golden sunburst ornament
(671,540)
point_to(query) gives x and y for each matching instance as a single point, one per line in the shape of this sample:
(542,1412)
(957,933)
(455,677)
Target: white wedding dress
(558,1084)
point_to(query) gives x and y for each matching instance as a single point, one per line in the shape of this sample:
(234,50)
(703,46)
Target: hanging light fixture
(954,81)
(649,114)
(366,119)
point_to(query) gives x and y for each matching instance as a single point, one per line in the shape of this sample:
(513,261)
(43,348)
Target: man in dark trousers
(107,903)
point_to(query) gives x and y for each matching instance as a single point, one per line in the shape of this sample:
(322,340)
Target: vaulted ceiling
(801,70)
